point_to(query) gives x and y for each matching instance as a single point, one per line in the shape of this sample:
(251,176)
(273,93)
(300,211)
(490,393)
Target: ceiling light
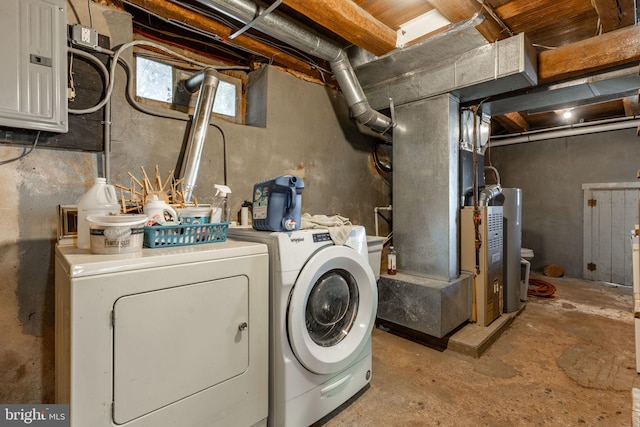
(567,114)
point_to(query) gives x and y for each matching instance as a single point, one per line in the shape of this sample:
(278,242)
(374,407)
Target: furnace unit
(485,262)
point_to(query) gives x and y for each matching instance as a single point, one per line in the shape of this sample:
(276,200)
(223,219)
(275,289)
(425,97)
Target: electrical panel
(33,90)
(483,258)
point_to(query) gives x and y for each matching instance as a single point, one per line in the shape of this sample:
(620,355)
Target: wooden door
(610,214)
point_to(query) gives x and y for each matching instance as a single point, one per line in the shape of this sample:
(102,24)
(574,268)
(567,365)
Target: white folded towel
(338,226)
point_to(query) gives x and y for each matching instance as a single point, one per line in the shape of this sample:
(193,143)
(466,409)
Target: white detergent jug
(158,212)
(101,199)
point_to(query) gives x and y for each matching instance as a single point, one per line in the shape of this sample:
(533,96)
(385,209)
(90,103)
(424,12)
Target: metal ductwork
(489,193)
(279,27)
(206,81)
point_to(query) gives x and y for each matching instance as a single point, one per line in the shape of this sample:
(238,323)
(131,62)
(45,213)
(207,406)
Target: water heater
(481,255)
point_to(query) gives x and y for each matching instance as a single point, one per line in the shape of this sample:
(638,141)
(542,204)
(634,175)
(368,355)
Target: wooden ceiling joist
(513,122)
(631,106)
(611,13)
(460,10)
(349,21)
(597,53)
(394,13)
(172,10)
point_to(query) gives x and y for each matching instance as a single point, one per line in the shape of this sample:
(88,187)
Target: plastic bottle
(391,261)
(220,211)
(101,199)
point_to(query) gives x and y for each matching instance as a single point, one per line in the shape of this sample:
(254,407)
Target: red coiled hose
(540,288)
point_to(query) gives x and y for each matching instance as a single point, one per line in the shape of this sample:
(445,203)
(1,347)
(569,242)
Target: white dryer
(173,336)
(323,302)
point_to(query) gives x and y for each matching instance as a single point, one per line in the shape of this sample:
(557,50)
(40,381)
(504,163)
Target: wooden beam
(393,13)
(593,54)
(631,106)
(350,22)
(172,10)
(611,15)
(460,10)
(512,122)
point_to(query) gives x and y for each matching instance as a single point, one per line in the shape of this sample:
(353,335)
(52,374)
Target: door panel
(610,213)
(172,343)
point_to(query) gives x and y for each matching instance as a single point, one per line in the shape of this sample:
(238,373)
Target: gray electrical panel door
(34,63)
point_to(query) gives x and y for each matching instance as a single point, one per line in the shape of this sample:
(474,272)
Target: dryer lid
(332,310)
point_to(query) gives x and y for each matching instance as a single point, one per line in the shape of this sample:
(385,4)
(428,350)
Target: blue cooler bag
(277,203)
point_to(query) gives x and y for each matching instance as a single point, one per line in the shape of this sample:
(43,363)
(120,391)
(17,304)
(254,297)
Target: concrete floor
(568,360)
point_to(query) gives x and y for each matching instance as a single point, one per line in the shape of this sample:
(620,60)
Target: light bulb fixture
(567,114)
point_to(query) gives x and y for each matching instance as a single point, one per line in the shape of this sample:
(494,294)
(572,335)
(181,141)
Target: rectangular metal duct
(425,188)
(486,70)
(600,87)
(423,55)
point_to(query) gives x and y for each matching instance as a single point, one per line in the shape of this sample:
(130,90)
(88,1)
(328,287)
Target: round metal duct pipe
(276,25)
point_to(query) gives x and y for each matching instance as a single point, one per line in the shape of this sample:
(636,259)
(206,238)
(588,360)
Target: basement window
(158,83)
(154,80)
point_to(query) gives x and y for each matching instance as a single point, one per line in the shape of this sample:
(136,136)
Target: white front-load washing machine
(323,302)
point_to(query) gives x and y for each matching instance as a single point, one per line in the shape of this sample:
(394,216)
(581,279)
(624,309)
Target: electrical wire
(168,114)
(90,15)
(540,288)
(25,151)
(285,48)
(232,27)
(191,39)
(71,83)
(496,174)
(224,151)
(116,56)
(100,66)
(599,28)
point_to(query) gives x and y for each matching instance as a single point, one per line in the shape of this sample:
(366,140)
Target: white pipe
(496,172)
(375,214)
(564,131)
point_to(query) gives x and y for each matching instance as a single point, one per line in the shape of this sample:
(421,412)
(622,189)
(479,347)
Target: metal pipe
(195,142)
(488,193)
(106,114)
(564,131)
(277,25)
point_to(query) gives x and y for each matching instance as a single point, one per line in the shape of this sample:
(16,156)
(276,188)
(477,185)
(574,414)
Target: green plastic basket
(163,236)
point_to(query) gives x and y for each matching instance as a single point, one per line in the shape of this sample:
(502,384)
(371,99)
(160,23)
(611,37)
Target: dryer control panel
(321,237)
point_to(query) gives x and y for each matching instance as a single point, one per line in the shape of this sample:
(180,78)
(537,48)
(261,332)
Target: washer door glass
(332,307)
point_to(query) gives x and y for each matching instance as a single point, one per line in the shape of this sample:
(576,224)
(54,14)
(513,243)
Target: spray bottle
(220,205)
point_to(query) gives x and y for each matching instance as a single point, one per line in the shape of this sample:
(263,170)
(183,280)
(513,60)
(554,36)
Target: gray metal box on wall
(34,56)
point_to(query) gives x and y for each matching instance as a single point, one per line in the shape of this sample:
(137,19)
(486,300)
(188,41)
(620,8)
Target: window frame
(184,101)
